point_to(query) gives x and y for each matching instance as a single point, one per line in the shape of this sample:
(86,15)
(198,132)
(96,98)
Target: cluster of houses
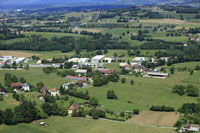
(18,86)
(12,59)
(52,92)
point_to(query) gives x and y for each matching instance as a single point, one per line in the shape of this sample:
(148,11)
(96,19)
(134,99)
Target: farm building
(98,58)
(39,61)
(140,59)
(191,127)
(76,78)
(157,75)
(105,71)
(72,108)
(17,85)
(19,60)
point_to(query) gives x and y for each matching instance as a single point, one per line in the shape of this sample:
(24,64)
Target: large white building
(140,59)
(98,58)
(19,60)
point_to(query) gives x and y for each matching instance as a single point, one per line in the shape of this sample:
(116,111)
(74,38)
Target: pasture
(77,125)
(166,119)
(16,53)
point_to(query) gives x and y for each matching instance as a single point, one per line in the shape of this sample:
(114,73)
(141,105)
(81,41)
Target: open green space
(77,125)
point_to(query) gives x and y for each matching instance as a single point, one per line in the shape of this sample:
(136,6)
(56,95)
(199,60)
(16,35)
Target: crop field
(85,125)
(15,53)
(168,21)
(167,119)
(41,54)
(49,35)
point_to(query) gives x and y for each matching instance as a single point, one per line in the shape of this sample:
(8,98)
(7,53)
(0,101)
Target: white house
(25,87)
(83,60)
(39,61)
(66,85)
(54,92)
(98,58)
(73,60)
(140,59)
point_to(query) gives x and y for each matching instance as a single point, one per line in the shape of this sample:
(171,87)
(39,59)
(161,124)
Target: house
(164,58)
(83,60)
(72,108)
(140,59)
(76,77)
(108,60)
(127,67)
(98,58)
(54,92)
(140,68)
(105,71)
(123,64)
(39,61)
(157,75)
(8,57)
(25,87)
(17,85)
(132,20)
(191,127)
(75,60)
(81,72)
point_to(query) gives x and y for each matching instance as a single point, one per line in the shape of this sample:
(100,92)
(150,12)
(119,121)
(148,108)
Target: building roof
(17,84)
(191,125)
(53,90)
(140,59)
(158,74)
(106,71)
(70,76)
(25,84)
(81,71)
(74,106)
(81,81)
(98,57)
(44,88)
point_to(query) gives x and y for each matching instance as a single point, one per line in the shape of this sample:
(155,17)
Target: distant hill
(5,3)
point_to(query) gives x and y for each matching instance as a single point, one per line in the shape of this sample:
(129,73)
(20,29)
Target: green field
(77,125)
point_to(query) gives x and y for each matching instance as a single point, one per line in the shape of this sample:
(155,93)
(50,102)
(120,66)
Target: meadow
(76,125)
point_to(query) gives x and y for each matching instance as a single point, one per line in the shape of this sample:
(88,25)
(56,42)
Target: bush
(136,111)
(162,108)
(122,114)
(111,94)
(123,80)
(132,82)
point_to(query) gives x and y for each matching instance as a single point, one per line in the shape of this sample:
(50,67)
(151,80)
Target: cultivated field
(166,119)
(15,53)
(79,125)
(168,21)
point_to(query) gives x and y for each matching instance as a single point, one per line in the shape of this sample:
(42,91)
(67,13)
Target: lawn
(8,102)
(195,78)
(77,125)
(167,119)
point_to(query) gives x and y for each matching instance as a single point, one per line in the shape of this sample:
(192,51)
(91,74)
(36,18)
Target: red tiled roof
(74,106)
(44,88)
(76,77)
(82,81)
(18,84)
(106,71)
(53,90)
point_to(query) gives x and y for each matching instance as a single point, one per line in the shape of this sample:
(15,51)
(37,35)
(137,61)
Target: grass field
(15,40)
(34,75)
(172,39)
(77,125)
(143,94)
(15,53)
(167,119)
(191,65)
(195,78)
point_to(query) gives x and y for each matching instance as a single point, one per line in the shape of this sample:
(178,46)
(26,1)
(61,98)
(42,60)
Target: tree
(94,101)
(47,108)
(191,72)
(179,89)
(26,67)
(123,80)
(39,85)
(193,92)
(111,94)
(172,69)
(136,111)
(132,82)
(122,114)
(9,117)
(22,79)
